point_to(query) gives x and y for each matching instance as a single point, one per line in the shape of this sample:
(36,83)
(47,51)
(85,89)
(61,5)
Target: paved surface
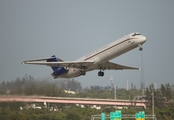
(90,101)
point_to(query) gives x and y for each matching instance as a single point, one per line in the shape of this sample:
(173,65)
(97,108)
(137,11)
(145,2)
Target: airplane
(97,60)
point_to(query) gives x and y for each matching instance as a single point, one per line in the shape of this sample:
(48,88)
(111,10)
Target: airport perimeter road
(89,101)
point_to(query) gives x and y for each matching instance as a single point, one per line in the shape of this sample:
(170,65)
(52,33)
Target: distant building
(96,107)
(141,98)
(91,106)
(35,107)
(69,92)
(82,106)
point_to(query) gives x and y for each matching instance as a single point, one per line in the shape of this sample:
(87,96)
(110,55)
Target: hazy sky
(69,29)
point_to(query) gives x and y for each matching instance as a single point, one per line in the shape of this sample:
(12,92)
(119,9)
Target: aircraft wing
(74,64)
(114,66)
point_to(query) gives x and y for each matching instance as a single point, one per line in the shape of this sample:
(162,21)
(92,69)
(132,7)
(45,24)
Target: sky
(70,29)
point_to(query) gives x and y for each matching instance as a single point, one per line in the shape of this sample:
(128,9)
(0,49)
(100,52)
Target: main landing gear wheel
(100,73)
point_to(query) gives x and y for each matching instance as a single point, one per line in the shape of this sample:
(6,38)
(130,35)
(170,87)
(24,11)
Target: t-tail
(56,70)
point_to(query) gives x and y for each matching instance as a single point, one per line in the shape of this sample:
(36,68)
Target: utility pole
(111,82)
(127,85)
(152,104)
(115,92)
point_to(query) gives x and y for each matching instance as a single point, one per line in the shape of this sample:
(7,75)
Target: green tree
(72,116)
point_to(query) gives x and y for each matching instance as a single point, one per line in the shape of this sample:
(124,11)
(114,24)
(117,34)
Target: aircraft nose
(143,39)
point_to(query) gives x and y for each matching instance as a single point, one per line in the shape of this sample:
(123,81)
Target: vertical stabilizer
(54,59)
(56,70)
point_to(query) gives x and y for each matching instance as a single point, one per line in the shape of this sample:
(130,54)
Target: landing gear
(100,73)
(82,72)
(140,47)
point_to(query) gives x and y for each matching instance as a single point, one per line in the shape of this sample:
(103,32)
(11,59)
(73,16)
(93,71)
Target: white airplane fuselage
(107,53)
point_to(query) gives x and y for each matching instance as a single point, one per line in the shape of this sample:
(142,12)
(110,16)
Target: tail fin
(54,59)
(56,70)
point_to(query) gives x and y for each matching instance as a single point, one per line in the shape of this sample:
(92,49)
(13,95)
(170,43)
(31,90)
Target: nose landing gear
(140,47)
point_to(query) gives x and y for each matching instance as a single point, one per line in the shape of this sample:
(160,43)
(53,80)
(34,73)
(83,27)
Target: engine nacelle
(66,68)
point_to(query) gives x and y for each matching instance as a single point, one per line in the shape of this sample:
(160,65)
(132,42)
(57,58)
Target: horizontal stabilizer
(41,59)
(74,64)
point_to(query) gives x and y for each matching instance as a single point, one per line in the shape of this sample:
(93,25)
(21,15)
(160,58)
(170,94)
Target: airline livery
(97,60)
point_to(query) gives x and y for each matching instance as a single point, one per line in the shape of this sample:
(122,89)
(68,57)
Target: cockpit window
(135,34)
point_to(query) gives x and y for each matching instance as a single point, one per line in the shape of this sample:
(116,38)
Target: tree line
(163,96)
(29,86)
